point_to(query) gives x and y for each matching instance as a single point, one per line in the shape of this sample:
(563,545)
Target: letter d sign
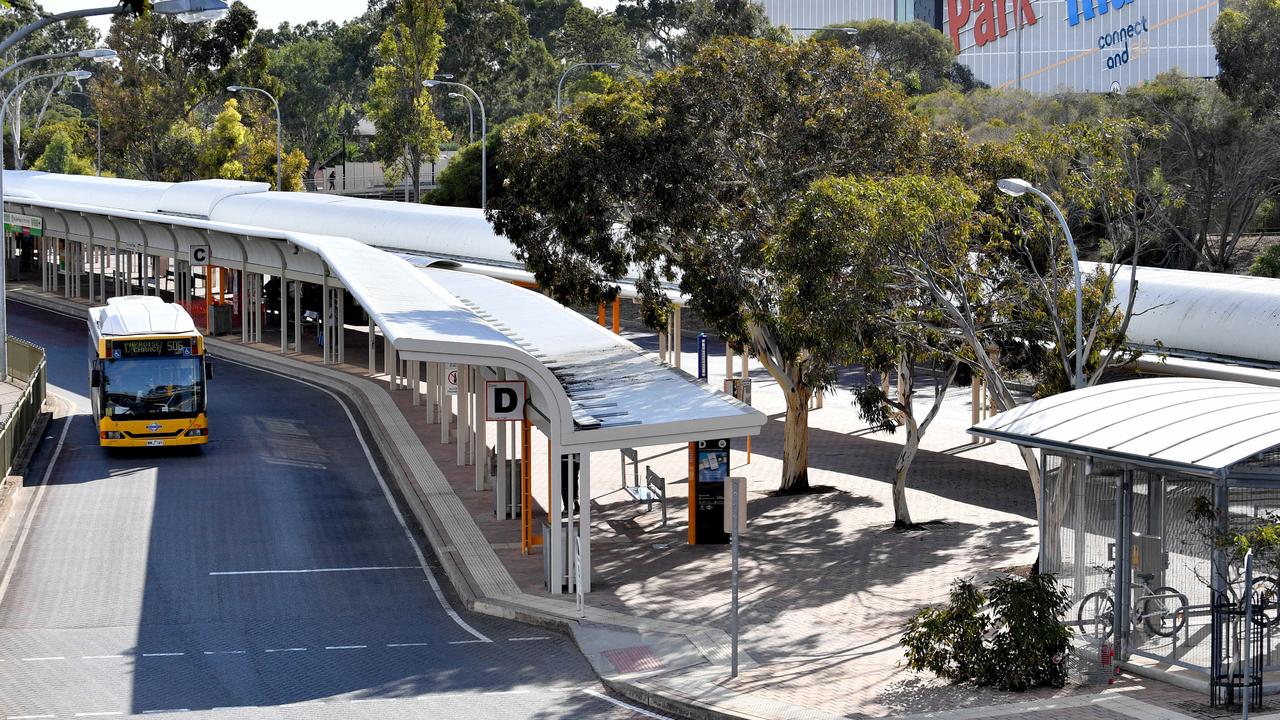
(505,400)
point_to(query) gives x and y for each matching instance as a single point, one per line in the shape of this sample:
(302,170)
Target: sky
(273,12)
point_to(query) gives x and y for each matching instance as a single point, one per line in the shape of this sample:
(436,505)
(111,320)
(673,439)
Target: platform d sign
(199,254)
(504,400)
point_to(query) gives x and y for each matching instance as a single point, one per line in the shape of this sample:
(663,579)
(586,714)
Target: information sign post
(708,473)
(735,517)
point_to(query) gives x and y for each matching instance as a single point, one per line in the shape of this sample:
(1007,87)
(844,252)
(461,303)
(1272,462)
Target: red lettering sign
(992,20)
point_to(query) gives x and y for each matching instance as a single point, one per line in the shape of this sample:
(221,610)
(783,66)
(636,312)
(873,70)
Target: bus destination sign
(164,347)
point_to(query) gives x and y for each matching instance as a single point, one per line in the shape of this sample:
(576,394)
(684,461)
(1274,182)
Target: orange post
(601,317)
(617,315)
(748,449)
(693,493)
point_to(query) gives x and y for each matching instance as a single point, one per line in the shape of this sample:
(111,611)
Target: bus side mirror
(208,371)
(95,378)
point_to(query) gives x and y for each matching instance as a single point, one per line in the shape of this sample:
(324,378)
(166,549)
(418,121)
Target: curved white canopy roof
(1201,313)
(1192,425)
(594,388)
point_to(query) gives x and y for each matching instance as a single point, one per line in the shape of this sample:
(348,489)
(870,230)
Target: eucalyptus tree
(399,106)
(689,181)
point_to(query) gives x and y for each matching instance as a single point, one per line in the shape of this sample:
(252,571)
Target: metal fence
(1107,537)
(26,365)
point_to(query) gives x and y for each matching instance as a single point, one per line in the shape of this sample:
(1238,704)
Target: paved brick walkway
(826,582)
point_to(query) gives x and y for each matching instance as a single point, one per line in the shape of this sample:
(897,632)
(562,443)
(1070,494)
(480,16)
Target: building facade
(1046,45)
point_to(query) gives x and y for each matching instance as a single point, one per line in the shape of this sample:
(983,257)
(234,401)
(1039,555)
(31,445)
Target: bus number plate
(155,443)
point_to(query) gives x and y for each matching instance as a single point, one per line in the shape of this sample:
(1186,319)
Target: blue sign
(702,357)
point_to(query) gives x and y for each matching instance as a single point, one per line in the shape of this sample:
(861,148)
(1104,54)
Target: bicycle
(1163,610)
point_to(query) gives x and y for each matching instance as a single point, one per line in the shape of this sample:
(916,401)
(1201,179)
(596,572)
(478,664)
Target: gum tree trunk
(795,443)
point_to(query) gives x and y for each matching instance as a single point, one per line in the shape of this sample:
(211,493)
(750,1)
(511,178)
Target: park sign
(24,224)
(1082,45)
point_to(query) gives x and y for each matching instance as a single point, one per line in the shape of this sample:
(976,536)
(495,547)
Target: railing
(26,364)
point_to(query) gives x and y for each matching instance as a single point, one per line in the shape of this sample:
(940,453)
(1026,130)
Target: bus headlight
(197,432)
(112,435)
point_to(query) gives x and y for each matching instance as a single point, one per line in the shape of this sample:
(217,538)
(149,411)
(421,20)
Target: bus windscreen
(143,388)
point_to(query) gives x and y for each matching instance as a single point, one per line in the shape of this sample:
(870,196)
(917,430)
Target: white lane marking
(35,504)
(102,657)
(532,637)
(40,659)
(224,652)
(345,647)
(314,570)
(638,710)
(163,654)
(467,642)
(298,649)
(391,501)
(407,644)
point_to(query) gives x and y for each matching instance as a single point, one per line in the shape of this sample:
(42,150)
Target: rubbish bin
(220,319)
(566,564)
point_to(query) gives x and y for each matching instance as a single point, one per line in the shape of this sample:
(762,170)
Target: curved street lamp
(4,235)
(484,136)
(571,68)
(1016,187)
(471,118)
(279,145)
(184,10)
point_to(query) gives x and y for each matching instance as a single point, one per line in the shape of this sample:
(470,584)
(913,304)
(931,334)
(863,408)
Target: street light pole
(4,234)
(484,137)
(571,68)
(1015,187)
(185,10)
(279,144)
(471,118)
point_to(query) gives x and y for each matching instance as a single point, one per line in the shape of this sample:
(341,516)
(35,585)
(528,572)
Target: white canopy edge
(424,321)
(1192,425)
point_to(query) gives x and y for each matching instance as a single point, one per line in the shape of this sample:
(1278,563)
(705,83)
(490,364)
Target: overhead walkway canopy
(589,389)
(1189,425)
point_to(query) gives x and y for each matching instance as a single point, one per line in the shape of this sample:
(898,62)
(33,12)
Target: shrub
(1009,635)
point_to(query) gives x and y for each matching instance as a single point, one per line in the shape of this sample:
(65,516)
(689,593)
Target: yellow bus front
(151,392)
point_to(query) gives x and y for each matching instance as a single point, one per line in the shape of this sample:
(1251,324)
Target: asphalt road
(265,577)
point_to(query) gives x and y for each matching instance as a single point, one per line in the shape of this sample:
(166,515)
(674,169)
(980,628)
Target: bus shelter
(1141,481)
(448,331)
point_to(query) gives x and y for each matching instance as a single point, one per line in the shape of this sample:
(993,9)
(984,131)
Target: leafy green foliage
(593,36)
(407,130)
(459,183)
(58,157)
(670,32)
(914,53)
(711,208)
(1009,635)
(1247,38)
(1236,539)
(1267,263)
(490,47)
(1213,171)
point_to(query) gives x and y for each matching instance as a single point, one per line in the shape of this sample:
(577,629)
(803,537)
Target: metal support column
(461,450)
(675,337)
(555,544)
(297,316)
(481,442)
(431,392)
(584,521)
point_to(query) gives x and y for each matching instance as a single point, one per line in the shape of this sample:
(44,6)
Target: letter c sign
(199,254)
(504,400)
